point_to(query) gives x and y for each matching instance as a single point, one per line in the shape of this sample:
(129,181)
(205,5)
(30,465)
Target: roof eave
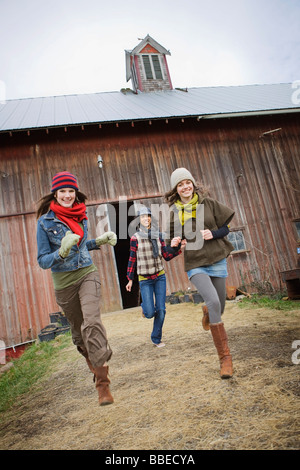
(158,118)
(249,113)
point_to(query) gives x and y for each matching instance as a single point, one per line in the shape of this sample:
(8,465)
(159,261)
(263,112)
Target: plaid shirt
(167,252)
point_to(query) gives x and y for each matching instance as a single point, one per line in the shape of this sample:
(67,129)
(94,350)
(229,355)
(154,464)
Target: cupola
(146,66)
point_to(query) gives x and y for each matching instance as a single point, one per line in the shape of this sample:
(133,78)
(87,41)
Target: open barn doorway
(119,222)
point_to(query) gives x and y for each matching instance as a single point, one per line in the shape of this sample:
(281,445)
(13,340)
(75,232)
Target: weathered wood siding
(255,174)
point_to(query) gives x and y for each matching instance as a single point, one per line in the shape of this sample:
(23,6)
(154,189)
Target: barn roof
(98,108)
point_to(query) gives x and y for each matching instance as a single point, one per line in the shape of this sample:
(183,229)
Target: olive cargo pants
(80,303)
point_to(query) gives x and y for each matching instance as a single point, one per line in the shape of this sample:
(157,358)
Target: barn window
(152,67)
(147,66)
(156,66)
(237,239)
(297,224)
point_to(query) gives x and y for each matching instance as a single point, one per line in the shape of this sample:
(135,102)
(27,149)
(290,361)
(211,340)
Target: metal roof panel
(34,113)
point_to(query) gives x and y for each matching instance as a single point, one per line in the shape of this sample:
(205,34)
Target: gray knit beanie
(181,174)
(144,211)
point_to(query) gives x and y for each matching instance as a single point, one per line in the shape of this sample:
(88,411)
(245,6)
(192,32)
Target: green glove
(108,237)
(69,240)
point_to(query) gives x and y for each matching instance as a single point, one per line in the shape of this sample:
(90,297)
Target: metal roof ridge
(239,86)
(157,91)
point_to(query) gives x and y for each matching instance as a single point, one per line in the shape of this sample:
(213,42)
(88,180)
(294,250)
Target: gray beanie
(144,211)
(181,174)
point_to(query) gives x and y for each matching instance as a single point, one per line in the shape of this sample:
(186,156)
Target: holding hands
(206,234)
(176,241)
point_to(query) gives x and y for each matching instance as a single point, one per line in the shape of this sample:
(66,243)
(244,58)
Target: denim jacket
(50,232)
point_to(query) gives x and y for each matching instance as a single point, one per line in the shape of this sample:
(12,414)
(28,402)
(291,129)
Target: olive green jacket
(216,215)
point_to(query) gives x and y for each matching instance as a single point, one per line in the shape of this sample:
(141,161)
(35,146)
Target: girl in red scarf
(63,247)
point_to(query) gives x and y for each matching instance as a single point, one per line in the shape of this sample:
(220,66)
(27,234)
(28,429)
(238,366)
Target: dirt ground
(171,398)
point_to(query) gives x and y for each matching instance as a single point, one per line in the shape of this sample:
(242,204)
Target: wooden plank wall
(256,174)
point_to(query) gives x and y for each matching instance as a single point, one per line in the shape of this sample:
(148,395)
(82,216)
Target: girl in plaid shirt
(147,248)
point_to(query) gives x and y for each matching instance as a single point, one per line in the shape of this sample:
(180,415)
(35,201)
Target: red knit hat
(64,179)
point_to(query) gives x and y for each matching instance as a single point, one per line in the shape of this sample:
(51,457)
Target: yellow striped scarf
(187,211)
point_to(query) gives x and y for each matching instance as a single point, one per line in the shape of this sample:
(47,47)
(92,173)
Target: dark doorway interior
(122,249)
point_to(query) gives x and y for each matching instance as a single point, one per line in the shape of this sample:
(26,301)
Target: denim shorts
(218,269)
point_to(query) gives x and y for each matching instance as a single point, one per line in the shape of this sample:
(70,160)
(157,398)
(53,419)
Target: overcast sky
(55,47)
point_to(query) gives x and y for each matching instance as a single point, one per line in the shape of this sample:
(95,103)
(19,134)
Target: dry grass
(171,398)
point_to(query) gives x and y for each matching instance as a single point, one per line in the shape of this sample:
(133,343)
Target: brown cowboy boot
(205,318)
(102,385)
(221,342)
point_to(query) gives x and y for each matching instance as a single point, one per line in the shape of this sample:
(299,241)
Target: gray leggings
(213,292)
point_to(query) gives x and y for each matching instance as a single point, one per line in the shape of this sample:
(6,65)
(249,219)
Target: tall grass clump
(29,368)
(272,302)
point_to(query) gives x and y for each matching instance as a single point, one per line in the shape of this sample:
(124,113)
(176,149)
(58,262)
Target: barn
(242,141)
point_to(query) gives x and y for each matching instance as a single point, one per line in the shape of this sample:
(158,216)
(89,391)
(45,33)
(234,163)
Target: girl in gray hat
(202,223)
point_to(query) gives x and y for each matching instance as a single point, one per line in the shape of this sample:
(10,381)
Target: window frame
(297,230)
(241,230)
(156,71)
(152,67)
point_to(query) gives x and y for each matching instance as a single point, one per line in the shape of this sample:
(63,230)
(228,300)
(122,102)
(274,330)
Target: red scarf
(71,216)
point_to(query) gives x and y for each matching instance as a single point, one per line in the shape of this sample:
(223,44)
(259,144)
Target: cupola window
(147,66)
(157,68)
(152,67)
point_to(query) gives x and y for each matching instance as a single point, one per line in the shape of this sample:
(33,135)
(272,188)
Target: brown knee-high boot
(221,342)
(102,385)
